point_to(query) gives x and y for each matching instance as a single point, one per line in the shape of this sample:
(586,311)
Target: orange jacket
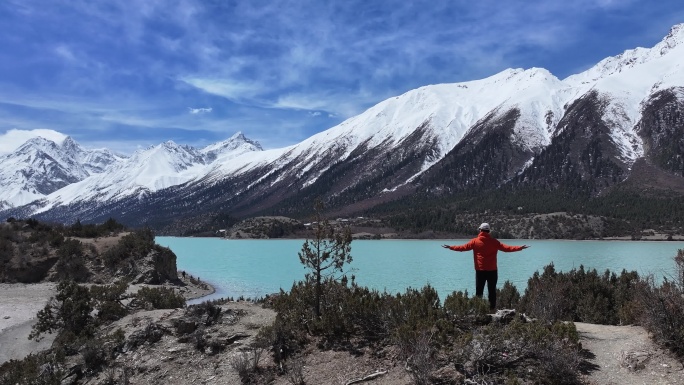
(484,249)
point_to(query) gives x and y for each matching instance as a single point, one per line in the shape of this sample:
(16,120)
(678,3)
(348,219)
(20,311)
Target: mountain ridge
(523,128)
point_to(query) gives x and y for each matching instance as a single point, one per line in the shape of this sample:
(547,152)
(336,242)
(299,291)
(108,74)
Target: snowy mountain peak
(674,38)
(70,145)
(169,144)
(235,145)
(37,143)
(38,167)
(631,58)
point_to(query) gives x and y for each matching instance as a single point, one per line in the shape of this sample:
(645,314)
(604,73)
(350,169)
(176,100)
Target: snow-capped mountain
(40,167)
(149,170)
(234,146)
(518,127)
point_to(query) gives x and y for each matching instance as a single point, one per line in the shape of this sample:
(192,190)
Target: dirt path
(625,355)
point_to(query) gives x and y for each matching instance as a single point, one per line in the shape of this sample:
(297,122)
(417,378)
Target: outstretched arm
(506,248)
(464,247)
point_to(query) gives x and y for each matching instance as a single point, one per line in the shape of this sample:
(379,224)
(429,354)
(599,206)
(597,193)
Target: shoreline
(624,239)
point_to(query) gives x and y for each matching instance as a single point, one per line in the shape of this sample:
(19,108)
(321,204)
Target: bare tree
(326,253)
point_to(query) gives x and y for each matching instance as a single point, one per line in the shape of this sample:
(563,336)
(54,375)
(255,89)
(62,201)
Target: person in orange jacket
(485,248)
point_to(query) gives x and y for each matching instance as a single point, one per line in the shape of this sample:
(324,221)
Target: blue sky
(129,74)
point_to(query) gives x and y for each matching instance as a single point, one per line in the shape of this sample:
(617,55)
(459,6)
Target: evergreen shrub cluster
(160,298)
(91,230)
(429,334)
(76,311)
(582,296)
(137,243)
(662,307)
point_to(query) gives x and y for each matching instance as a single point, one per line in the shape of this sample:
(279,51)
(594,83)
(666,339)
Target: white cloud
(232,90)
(66,53)
(315,113)
(199,111)
(12,139)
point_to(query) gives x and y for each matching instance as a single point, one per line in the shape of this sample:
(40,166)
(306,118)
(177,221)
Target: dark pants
(489,276)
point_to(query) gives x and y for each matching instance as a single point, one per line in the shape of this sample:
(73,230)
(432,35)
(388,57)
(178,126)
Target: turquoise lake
(254,268)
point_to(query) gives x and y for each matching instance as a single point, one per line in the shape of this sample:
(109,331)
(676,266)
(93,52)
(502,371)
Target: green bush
(39,369)
(662,308)
(160,298)
(138,243)
(6,251)
(428,334)
(508,297)
(581,296)
(108,299)
(532,352)
(80,230)
(69,311)
(464,310)
(71,262)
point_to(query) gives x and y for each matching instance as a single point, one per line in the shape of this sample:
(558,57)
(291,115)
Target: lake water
(254,268)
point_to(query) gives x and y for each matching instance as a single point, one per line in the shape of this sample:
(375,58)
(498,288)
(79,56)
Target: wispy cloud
(199,111)
(12,139)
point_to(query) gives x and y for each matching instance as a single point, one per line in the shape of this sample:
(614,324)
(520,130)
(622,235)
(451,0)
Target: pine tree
(325,254)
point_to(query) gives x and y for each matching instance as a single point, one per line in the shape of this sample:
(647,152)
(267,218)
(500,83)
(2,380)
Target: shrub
(548,296)
(508,297)
(43,368)
(137,243)
(581,296)
(6,251)
(69,311)
(160,298)
(94,230)
(108,301)
(295,371)
(662,308)
(71,263)
(94,355)
(464,311)
(241,364)
(420,357)
(209,311)
(532,352)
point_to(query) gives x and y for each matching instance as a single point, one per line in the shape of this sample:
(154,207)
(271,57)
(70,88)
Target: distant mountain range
(619,123)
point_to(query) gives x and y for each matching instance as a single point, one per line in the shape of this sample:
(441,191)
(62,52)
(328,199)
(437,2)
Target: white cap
(484,226)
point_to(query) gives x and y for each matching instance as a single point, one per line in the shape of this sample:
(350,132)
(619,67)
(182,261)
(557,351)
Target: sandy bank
(19,304)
